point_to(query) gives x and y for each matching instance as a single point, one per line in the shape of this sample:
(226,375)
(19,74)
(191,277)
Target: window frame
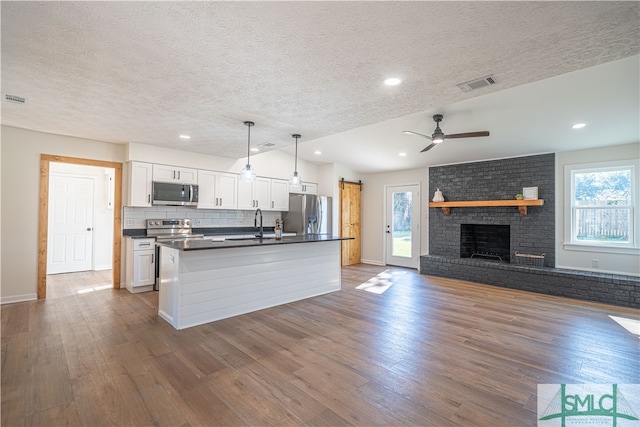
(570,241)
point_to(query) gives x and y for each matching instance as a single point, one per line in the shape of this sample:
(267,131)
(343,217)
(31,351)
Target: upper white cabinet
(140,175)
(279,195)
(256,194)
(217,190)
(264,193)
(164,173)
(306,188)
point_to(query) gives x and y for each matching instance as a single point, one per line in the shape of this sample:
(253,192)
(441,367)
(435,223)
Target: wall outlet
(595,263)
(129,222)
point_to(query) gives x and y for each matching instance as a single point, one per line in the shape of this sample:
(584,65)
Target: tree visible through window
(602,205)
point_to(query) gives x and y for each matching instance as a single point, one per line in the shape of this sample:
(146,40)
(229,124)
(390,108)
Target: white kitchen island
(202,280)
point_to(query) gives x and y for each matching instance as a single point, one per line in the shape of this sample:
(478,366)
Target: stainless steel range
(169,229)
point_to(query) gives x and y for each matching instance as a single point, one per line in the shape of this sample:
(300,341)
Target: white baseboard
(102,267)
(18,298)
(372,262)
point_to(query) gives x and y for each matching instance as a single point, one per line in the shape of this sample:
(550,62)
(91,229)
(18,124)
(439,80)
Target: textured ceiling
(148,71)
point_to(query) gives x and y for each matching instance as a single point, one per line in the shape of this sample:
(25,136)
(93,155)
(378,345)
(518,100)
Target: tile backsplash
(136,217)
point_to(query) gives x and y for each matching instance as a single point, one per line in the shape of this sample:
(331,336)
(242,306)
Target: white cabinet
(256,194)
(309,188)
(279,195)
(305,188)
(217,190)
(140,269)
(164,173)
(140,182)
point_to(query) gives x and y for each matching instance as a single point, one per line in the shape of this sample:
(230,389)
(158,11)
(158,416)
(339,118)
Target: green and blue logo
(588,405)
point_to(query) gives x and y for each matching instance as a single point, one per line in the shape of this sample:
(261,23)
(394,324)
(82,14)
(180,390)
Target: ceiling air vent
(478,83)
(267,144)
(13,98)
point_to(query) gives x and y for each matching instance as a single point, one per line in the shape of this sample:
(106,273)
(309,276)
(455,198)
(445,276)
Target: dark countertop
(196,245)
(141,233)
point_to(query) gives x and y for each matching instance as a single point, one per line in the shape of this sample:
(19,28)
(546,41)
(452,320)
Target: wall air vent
(13,98)
(477,83)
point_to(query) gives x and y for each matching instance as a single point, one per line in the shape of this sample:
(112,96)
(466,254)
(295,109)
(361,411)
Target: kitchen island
(206,280)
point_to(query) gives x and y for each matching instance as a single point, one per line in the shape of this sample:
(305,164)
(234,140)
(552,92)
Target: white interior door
(70,235)
(402,225)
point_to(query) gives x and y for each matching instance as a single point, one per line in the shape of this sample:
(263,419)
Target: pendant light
(295,183)
(248,174)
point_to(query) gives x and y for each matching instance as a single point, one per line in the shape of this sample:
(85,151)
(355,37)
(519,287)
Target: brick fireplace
(454,237)
(495,180)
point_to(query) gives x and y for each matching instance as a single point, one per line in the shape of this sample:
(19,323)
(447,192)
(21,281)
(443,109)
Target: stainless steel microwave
(171,194)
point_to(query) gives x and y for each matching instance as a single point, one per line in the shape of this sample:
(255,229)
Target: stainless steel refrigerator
(308,214)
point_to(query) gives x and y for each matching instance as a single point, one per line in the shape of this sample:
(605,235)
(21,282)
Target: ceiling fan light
(437,138)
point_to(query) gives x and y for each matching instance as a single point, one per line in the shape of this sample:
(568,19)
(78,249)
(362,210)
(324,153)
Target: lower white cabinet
(140,269)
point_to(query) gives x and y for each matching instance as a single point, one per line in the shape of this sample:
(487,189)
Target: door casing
(43,216)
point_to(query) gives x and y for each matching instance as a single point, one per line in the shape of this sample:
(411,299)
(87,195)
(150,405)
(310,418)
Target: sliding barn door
(350,218)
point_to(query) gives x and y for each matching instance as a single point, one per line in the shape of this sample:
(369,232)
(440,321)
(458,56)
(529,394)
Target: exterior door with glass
(402,225)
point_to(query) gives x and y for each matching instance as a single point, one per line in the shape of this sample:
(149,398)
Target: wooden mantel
(520,204)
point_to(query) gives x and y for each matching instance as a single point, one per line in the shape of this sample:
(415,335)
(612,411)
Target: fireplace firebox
(485,241)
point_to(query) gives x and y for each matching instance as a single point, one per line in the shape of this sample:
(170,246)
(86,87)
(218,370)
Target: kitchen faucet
(255,223)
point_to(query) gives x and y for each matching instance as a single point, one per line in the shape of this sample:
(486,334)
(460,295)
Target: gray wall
(495,180)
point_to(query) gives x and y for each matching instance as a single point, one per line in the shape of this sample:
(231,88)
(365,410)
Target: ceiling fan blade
(467,135)
(410,132)
(429,147)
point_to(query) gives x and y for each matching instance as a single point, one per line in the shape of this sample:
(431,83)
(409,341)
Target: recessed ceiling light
(392,81)
(402,154)
(254,149)
(317,152)
(579,125)
(185,137)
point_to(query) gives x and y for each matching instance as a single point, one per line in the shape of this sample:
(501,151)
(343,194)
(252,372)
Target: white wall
(620,263)
(102,213)
(329,176)
(373,208)
(21,150)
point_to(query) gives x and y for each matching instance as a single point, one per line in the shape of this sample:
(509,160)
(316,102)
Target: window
(603,209)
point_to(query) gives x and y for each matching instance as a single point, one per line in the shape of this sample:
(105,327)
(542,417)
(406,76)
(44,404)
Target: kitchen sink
(250,238)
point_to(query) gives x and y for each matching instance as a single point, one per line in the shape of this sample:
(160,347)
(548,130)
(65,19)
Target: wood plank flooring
(67,284)
(429,351)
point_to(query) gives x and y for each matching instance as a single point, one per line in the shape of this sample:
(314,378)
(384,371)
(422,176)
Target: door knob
(89,229)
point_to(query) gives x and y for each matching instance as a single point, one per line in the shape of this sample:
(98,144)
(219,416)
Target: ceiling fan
(438,136)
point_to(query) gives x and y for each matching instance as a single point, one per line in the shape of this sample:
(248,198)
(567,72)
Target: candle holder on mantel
(437,196)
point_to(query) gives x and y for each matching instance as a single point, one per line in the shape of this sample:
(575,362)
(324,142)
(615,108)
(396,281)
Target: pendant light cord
(249,124)
(296,168)
(296,136)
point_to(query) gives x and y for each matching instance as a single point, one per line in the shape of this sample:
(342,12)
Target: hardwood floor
(428,351)
(67,284)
